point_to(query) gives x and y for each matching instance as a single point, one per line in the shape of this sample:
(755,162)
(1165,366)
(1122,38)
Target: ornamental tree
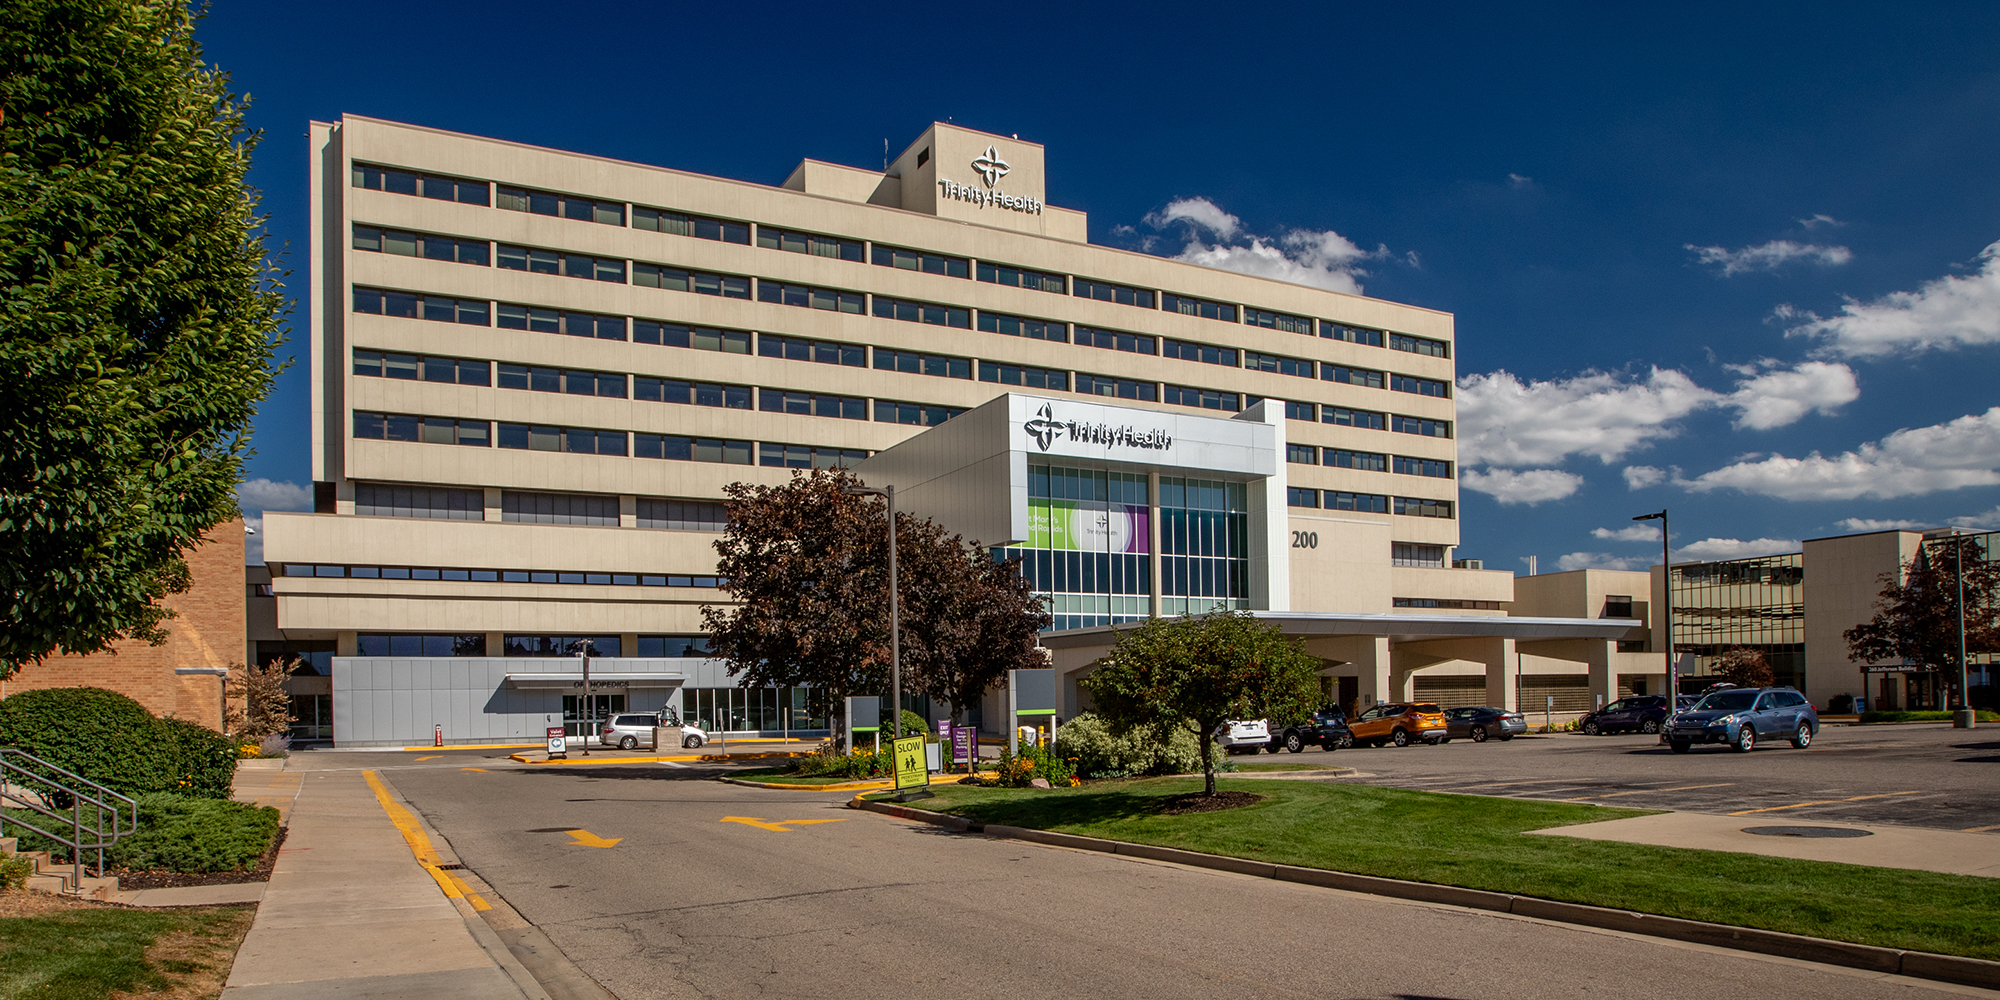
(808,564)
(1198,672)
(138,313)
(1916,612)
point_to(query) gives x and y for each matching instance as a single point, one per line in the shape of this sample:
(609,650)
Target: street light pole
(1667,604)
(1964,717)
(895,623)
(583,705)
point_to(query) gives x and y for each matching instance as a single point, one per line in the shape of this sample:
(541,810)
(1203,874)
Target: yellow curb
(471,746)
(526,759)
(847,786)
(453,886)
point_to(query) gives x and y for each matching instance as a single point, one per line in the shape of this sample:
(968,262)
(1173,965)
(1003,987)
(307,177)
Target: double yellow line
(420,845)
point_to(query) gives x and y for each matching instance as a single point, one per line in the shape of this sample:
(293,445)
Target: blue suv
(1741,716)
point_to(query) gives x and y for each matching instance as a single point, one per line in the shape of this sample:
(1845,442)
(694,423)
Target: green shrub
(1098,754)
(828,761)
(913,724)
(112,740)
(14,871)
(177,833)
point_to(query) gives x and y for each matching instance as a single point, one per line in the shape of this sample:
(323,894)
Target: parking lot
(1927,775)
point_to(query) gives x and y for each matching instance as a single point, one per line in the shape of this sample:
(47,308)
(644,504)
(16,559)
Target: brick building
(182,677)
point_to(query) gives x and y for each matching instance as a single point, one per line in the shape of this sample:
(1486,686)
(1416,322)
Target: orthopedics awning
(573,679)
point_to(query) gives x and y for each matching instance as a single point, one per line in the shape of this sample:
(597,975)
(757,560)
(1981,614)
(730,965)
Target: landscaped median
(1477,843)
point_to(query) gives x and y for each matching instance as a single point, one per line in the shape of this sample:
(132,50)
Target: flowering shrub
(1016,771)
(1145,751)
(828,761)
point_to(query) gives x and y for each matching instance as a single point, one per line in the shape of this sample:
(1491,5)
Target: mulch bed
(1181,805)
(129,879)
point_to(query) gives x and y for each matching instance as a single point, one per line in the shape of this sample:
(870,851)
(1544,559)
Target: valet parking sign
(990,168)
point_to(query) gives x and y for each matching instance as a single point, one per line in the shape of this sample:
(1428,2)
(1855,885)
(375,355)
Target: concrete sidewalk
(349,912)
(1908,847)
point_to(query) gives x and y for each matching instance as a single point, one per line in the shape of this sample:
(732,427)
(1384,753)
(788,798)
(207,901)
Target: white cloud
(1638,477)
(1819,219)
(1769,256)
(1779,398)
(258,495)
(1986,521)
(1634,533)
(1504,421)
(1910,462)
(1731,548)
(1318,258)
(1530,487)
(1952,311)
(1871,524)
(1600,560)
(1518,182)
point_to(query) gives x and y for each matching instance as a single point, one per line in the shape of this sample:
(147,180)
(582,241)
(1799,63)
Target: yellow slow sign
(911,769)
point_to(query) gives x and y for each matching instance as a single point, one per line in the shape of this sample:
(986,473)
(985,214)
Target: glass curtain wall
(1204,546)
(1759,603)
(1089,545)
(759,710)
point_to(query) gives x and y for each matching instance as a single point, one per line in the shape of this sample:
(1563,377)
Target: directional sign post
(913,774)
(558,744)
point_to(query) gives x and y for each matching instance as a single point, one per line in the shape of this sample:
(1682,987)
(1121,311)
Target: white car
(628,731)
(1243,736)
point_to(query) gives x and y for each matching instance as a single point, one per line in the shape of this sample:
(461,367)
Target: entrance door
(602,706)
(1350,692)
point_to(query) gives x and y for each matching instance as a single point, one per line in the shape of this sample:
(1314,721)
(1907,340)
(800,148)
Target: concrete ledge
(1918,964)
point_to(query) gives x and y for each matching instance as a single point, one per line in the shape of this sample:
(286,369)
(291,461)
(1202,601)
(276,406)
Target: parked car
(629,731)
(1327,727)
(1741,716)
(1243,735)
(1399,723)
(1637,714)
(1480,724)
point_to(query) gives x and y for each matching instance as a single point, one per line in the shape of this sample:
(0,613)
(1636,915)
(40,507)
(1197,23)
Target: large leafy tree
(808,565)
(138,312)
(1916,612)
(1198,672)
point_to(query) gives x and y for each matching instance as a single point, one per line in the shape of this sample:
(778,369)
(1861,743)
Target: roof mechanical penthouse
(1136,430)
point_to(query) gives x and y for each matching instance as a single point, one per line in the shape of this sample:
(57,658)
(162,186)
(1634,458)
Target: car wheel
(1347,742)
(1680,746)
(1746,739)
(1649,727)
(1803,738)
(1478,734)
(1400,737)
(1590,728)
(691,742)
(1294,743)
(628,743)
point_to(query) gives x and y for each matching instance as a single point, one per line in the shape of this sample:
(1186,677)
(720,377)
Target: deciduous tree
(1201,671)
(1916,612)
(262,706)
(137,316)
(1744,666)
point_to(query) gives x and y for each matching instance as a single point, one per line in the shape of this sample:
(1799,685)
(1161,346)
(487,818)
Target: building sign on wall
(990,168)
(1068,525)
(1045,429)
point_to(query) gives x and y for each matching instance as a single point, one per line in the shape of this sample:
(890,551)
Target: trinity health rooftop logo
(990,168)
(1045,429)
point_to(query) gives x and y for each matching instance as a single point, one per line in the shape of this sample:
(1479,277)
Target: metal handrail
(123,811)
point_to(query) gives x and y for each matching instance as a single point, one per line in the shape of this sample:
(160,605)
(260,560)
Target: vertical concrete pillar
(493,512)
(1372,661)
(1603,682)
(496,644)
(1502,678)
(628,511)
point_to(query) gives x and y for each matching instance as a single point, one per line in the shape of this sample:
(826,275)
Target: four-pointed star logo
(991,166)
(1043,428)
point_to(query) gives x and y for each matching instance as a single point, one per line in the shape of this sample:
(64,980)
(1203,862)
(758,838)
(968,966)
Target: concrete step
(9,845)
(52,877)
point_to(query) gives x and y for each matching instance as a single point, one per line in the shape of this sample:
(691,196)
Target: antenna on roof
(885,154)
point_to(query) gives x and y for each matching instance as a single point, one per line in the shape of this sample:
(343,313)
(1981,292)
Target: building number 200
(1305,539)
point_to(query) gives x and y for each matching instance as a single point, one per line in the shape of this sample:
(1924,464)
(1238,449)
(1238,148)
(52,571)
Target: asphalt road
(1914,775)
(717,890)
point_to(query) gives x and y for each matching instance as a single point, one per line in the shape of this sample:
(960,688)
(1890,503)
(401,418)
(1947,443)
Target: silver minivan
(630,730)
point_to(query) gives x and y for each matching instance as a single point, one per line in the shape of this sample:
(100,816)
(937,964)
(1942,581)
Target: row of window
(462,504)
(1455,604)
(669,447)
(474,644)
(451,574)
(415,305)
(1368,461)
(700,227)
(1367,503)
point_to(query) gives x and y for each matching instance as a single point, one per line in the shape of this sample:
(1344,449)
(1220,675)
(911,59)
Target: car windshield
(1726,701)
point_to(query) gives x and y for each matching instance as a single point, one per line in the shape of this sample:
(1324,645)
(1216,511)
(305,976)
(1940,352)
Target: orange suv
(1399,723)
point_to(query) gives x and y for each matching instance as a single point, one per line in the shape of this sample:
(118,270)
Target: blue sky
(1688,251)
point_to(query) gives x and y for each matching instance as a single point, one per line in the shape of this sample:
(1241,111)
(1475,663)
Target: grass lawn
(64,949)
(1249,768)
(1478,843)
(783,776)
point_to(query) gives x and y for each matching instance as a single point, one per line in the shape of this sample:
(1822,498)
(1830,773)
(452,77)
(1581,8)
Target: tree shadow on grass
(1080,807)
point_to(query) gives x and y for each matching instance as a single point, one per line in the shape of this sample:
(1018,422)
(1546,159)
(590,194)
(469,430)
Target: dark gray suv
(1740,717)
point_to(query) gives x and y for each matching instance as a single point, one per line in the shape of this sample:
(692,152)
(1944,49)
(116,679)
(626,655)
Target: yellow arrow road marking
(1821,802)
(481,770)
(431,757)
(779,825)
(584,838)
